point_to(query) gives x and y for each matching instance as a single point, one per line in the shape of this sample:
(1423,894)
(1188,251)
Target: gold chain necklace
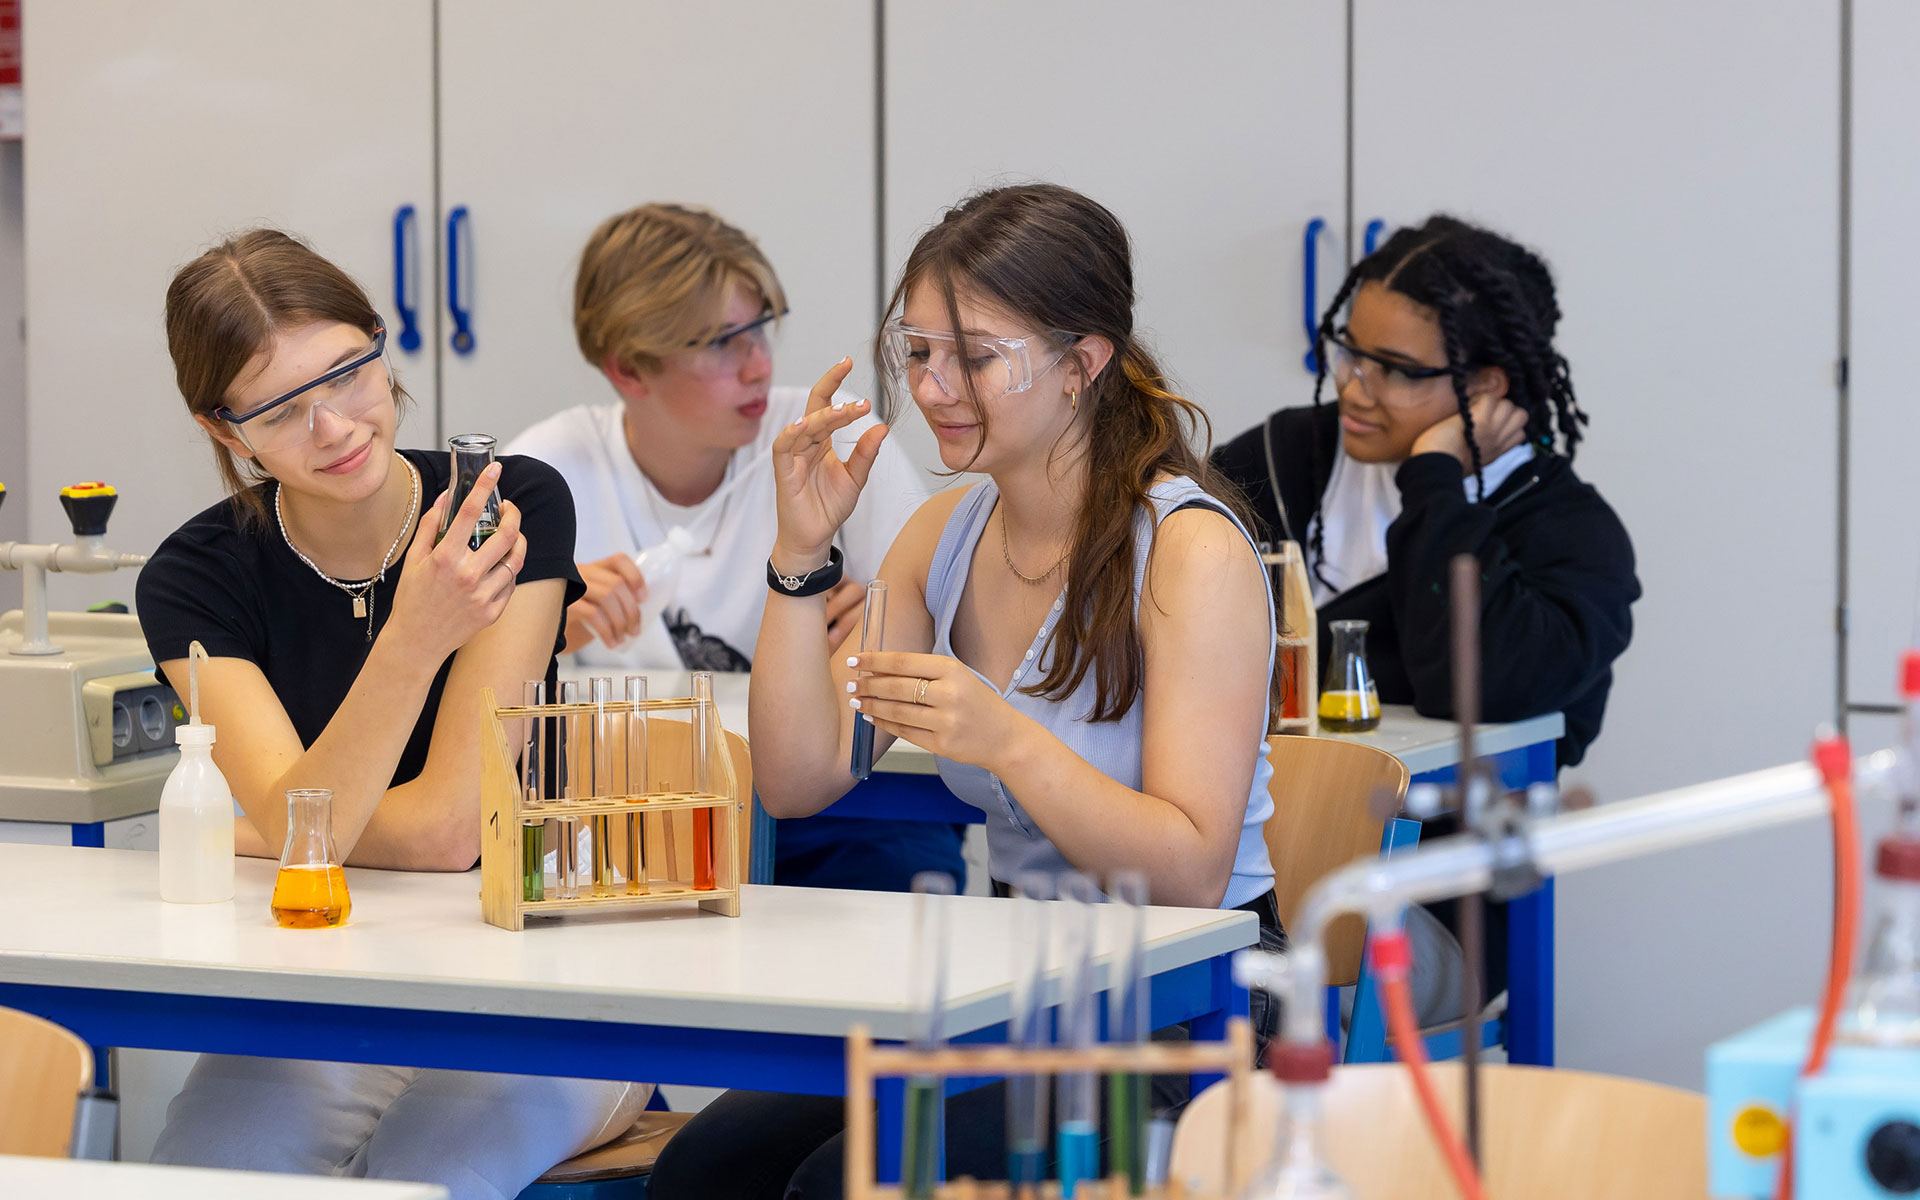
(360,591)
(1006,553)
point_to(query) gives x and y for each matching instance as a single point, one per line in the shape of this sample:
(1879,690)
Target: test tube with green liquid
(533,746)
(604,788)
(1027,1030)
(472,453)
(636,786)
(1127,1008)
(1078,1140)
(922,1138)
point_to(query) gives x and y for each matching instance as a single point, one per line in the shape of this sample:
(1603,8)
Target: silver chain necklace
(361,591)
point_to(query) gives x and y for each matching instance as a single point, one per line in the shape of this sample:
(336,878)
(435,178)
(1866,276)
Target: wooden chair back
(1323,818)
(1572,1135)
(44,1069)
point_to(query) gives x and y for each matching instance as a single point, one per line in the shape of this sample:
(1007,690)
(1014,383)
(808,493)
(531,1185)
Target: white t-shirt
(713,620)
(1361,500)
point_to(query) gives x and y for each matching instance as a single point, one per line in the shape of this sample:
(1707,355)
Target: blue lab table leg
(890,1101)
(1530,950)
(1229,1000)
(94,835)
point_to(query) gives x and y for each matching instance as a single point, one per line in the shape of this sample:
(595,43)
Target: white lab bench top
(798,960)
(1423,743)
(38,1178)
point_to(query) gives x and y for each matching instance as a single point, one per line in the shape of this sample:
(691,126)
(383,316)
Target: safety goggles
(348,391)
(1384,380)
(729,349)
(996,366)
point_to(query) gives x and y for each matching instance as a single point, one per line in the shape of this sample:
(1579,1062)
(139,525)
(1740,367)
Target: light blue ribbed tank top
(1015,844)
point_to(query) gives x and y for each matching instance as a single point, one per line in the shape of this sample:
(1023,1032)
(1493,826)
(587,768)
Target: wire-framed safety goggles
(997,366)
(1377,374)
(344,391)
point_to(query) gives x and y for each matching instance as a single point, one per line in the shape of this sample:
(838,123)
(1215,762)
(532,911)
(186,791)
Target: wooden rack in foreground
(691,838)
(867,1062)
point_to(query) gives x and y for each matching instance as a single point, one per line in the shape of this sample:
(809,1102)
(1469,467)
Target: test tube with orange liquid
(703,780)
(310,892)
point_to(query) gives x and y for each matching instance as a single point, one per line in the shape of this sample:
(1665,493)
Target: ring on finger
(920,693)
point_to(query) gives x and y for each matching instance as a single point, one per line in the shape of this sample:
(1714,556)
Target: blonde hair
(225,307)
(654,281)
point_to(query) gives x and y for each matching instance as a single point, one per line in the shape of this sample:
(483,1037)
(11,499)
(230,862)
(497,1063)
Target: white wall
(13,367)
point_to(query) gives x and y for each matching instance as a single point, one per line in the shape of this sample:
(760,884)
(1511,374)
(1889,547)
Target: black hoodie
(1556,575)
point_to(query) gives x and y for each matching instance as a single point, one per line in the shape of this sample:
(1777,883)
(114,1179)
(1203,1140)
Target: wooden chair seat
(632,1153)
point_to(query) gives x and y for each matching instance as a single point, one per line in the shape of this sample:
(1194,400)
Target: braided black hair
(1495,302)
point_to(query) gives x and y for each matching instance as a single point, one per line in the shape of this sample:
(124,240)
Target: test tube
(600,688)
(1127,1022)
(872,637)
(921,1139)
(567,760)
(472,454)
(637,785)
(1079,1135)
(533,745)
(1027,1030)
(703,780)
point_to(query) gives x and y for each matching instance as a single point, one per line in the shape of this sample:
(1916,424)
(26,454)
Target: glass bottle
(1348,701)
(1299,1170)
(310,891)
(472,454)
(1884,1008)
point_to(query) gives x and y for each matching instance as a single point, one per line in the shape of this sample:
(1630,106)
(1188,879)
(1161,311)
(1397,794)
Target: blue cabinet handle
(458,306)
(1310,291)
(404,309)
(1375,228)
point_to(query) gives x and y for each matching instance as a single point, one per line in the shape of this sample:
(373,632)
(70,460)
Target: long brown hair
(224,308)
(1062,262)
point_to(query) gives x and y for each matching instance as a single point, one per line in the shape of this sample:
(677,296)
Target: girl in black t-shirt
(348,647)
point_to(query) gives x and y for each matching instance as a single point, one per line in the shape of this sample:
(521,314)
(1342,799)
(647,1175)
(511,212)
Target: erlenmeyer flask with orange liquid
(1348,701)
(311,890)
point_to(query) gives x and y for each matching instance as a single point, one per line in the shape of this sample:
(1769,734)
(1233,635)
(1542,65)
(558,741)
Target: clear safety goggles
(349,391)
(1387,381)
(997,366)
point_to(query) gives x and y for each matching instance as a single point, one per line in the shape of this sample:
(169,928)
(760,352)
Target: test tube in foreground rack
(872,637)
(601,690)
(920,1140)
(637,786)
(704,779)
(1027,1029)
(567,760)
(1127,1022)
(1079,1136)
(533,745)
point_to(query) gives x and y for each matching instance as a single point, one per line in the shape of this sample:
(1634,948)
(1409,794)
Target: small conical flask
(311,890)
(1348,701)
(1884,1008)
(1299,1170)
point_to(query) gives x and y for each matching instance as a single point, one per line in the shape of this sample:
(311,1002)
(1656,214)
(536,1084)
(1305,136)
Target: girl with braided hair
(1454,432)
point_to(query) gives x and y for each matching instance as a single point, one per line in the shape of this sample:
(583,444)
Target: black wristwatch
(813,582)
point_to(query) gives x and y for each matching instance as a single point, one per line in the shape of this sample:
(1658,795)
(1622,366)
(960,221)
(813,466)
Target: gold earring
(1073,400)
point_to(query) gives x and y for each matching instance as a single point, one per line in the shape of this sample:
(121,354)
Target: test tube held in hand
(601,690)
(533,745)
(472,453)
(872,637)
(1027,1030)
(920,1140)
(1079,1135)
(703,779)
(636,786)
(1127,1022)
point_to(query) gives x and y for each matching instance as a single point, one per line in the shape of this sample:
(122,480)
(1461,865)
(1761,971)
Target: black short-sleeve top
(239,590)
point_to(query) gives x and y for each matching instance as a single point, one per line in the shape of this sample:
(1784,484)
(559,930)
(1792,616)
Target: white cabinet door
(761,110)
(153,130)
(1214,132)
(1677,165)
(1883,560)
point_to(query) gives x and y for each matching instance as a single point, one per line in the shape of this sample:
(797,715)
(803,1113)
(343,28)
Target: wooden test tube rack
(867,1062)
(1295,618)
(507,816)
